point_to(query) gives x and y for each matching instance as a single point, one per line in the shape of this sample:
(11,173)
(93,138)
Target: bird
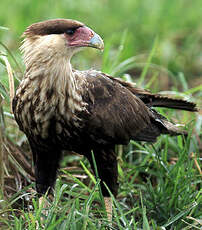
(60,108)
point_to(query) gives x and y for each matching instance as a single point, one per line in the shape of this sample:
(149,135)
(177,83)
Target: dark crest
(54,26)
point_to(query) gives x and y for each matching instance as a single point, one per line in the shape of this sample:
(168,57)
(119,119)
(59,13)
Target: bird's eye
(70,31)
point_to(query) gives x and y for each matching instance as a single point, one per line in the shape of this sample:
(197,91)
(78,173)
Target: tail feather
(173,129)
(166,126)
(156,100)
(159,124)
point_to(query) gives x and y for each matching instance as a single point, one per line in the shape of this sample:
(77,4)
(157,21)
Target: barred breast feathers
(49,84)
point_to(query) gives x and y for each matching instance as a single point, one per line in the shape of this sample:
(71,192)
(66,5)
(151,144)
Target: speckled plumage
(59,108)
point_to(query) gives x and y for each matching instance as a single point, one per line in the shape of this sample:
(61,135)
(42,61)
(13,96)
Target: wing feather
(116,114)
(119,111)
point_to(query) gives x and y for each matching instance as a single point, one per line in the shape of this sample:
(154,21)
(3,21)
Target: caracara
(60,108)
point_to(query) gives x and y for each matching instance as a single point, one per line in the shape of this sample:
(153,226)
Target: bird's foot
(108,206)
(43,204)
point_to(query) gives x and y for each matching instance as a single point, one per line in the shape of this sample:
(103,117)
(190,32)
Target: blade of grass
(88,172)
(193,90)
(3,28)
(183,81)
(3,93)
(1,152)
(120,50)
(179,215)
(97,178)
(79,182)
(144,72)
(13,58)
(11,79)
(144,216)
(152,80)
(87,205)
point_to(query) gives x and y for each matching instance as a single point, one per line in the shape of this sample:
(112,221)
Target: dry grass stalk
(196,163)
(1,155)
(11,79)
(19,159)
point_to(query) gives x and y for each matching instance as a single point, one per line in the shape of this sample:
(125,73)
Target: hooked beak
(85,37)
(96,42)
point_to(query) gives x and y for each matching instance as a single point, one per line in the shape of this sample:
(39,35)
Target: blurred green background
(177,24)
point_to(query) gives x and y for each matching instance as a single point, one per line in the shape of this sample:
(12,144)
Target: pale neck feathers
(48,64)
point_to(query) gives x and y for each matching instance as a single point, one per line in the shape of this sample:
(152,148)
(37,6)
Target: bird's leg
(46,161)
(43,202)
(108,207)
(43,206)
(106,163)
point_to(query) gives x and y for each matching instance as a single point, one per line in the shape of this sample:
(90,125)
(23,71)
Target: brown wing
(120,111)
(156,100)
(116,114)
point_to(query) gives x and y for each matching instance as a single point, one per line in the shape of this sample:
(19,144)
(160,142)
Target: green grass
(153,43)
(153,192)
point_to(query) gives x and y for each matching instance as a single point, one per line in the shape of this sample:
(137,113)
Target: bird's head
(59,38)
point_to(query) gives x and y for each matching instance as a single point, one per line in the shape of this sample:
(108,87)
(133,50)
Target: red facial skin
(81,37)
